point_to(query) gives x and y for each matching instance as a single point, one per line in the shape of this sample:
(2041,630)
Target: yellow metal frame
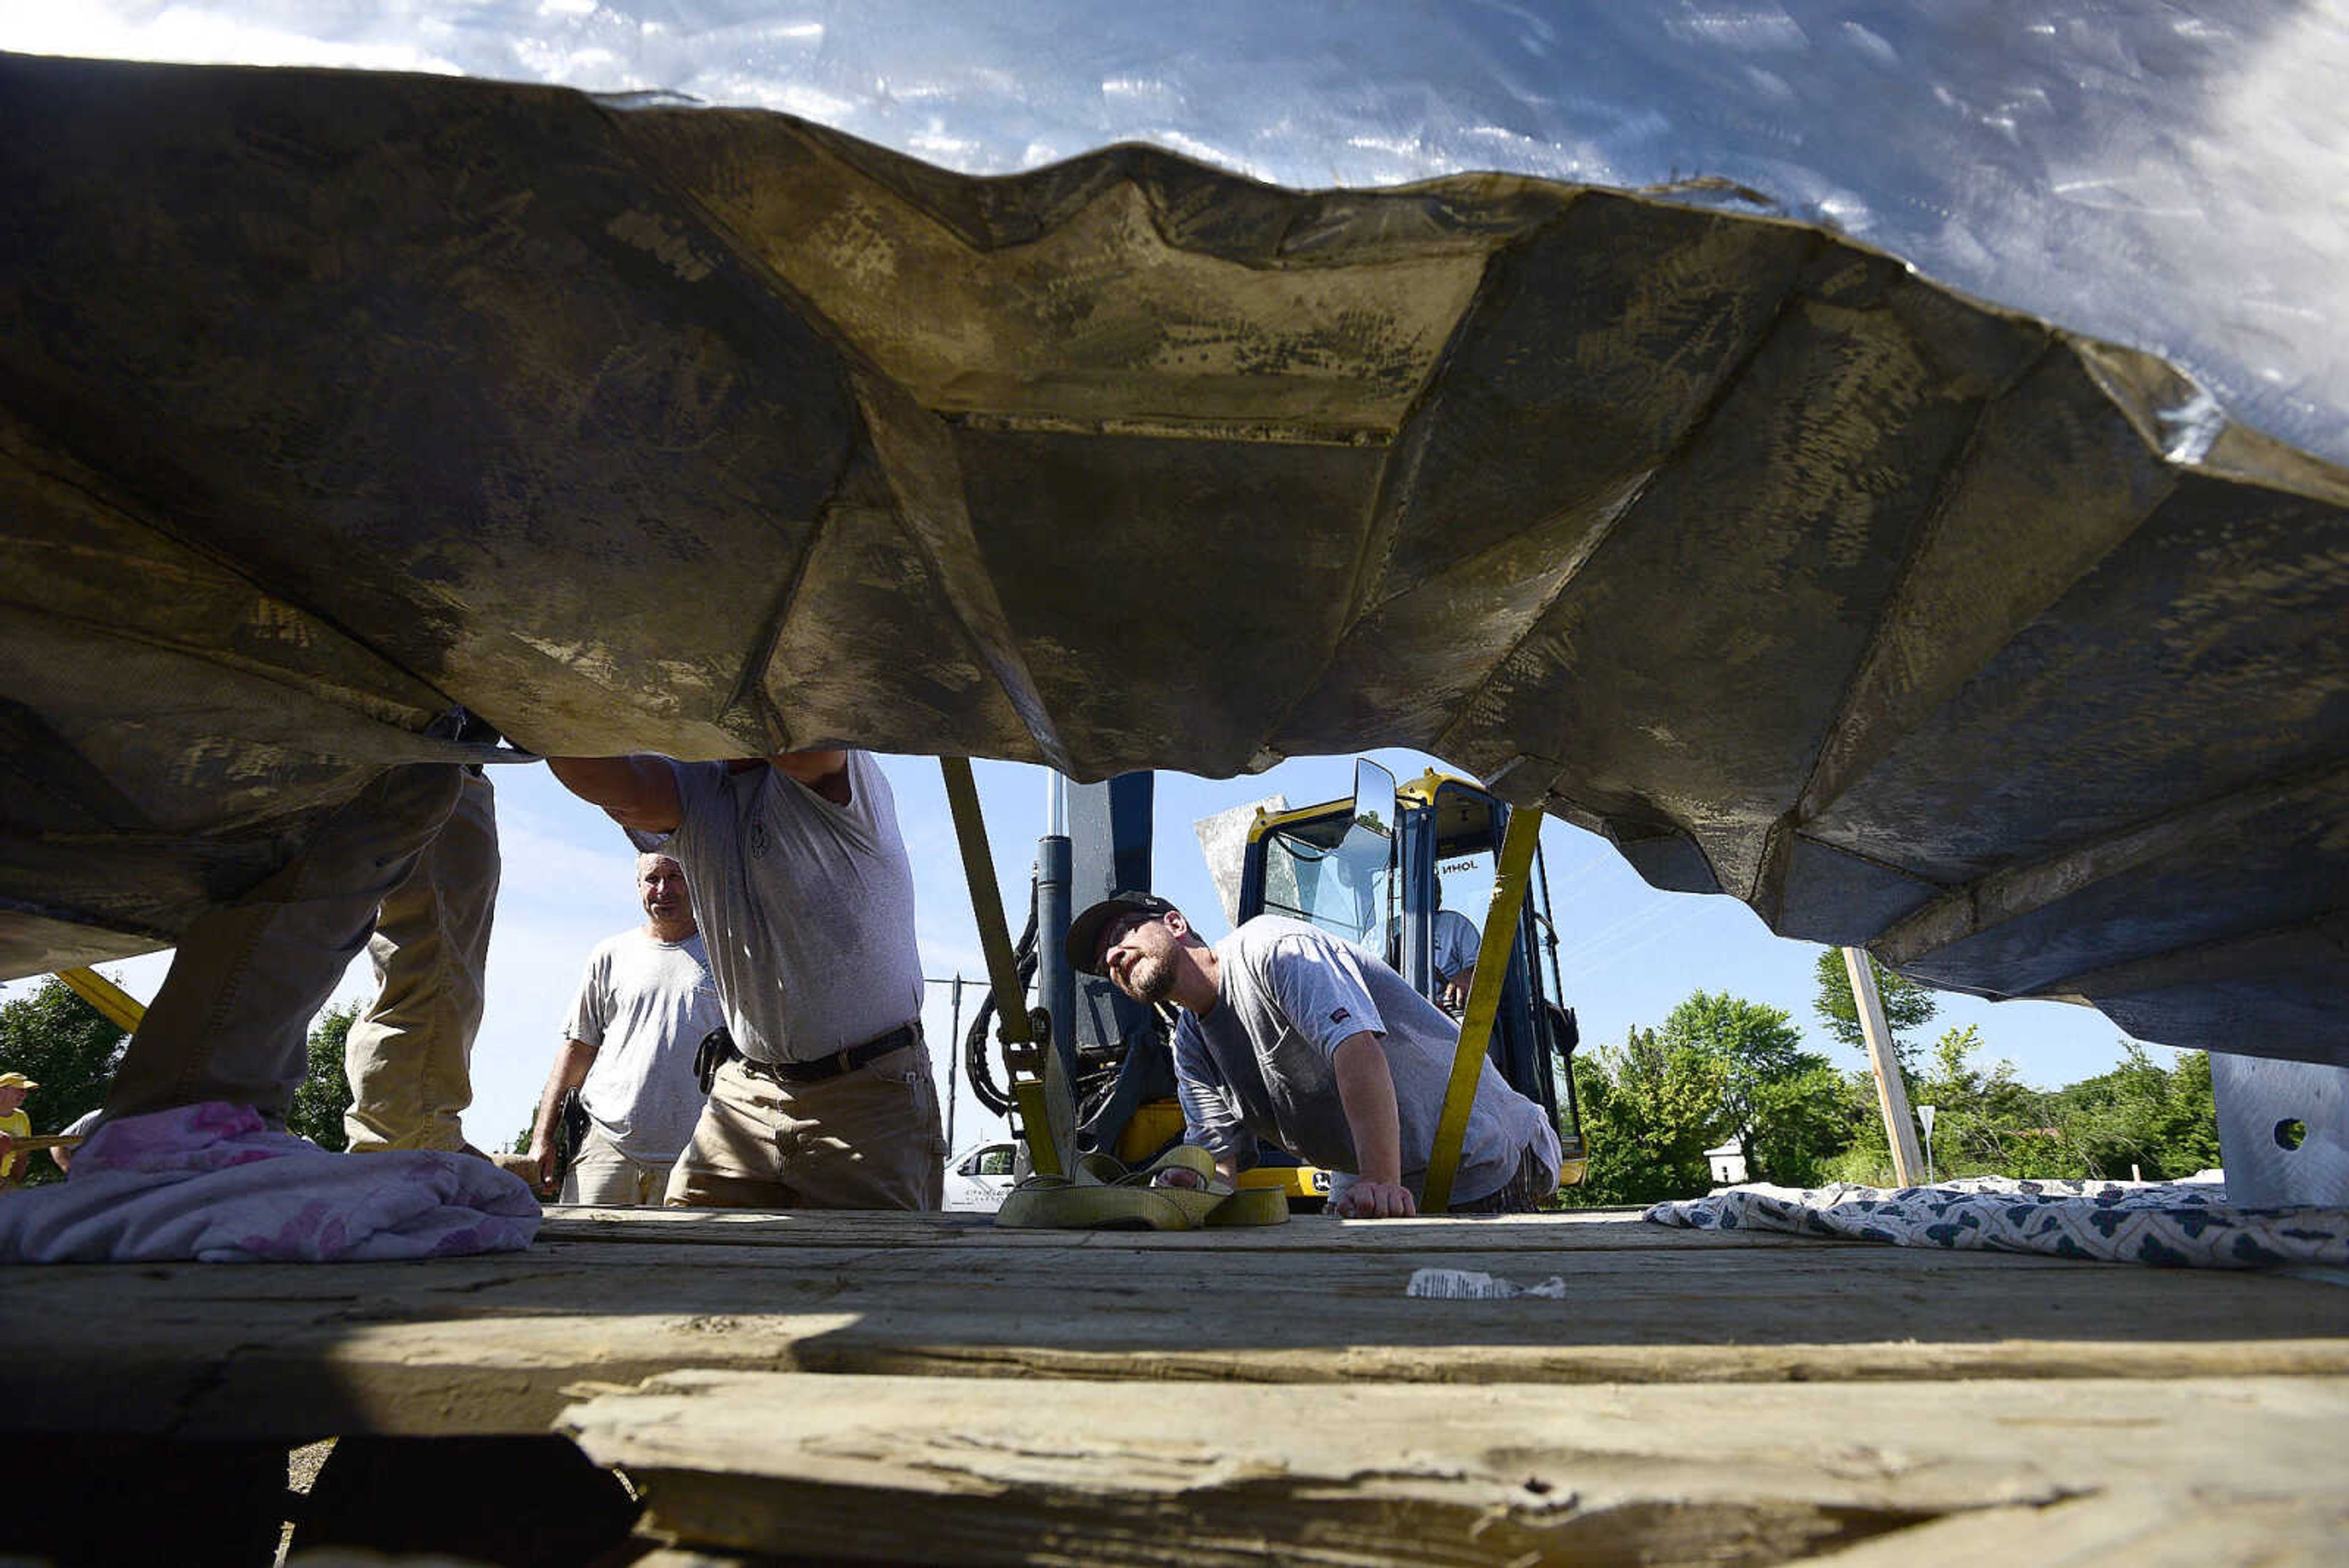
(118,1006)
(1040,1108)
(1512,875)
(1048,1118)
(1421,791)
(1293,1181)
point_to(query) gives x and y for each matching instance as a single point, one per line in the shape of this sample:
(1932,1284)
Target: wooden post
(1892,1091)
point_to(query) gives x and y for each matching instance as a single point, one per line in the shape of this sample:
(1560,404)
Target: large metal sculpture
(327,401)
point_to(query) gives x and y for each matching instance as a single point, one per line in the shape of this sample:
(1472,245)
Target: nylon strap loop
(1104,1195)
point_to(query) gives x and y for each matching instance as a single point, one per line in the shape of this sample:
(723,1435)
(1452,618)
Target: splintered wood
(1082,1473)
(489,1346)
(924,1388)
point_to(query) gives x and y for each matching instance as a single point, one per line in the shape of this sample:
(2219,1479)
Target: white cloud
(196,35)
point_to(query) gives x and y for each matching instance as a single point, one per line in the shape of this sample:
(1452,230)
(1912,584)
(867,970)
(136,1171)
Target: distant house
(1727,1164)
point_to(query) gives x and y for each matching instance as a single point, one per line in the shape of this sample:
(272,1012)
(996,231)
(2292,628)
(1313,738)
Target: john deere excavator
(1366,868)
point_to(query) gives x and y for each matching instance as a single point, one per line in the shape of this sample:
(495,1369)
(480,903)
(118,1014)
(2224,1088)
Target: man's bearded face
(1140,960)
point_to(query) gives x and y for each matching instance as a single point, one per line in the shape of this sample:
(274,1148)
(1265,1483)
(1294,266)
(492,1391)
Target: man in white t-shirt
(824,1097)
(645,1006)
(1290,1035)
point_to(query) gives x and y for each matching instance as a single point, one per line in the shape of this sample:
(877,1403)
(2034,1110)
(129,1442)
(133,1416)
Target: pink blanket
(211,1183)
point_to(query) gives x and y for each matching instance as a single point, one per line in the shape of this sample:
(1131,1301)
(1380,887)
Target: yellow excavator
(1371,868)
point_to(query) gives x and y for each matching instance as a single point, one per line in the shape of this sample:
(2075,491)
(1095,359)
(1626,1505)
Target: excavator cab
(1406,874)
(1367,869)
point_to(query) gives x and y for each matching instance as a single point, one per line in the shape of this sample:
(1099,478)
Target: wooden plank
(511,1379)
(488,1344)
(2139,1529)
(881,1468)
(492,1343)
(2130,1526)
(1616,1229)
(1711,1297)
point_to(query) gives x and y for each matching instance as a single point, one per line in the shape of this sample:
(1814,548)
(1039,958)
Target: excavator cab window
(1332,872)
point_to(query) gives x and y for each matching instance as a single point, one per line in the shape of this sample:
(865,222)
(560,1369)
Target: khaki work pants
(232,1021)
(601,1174)
(866,1140)
(410,1056)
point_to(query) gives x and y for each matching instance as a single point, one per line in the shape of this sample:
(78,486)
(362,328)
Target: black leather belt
(839,1062)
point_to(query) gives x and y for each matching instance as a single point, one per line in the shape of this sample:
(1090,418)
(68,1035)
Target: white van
(978,1178)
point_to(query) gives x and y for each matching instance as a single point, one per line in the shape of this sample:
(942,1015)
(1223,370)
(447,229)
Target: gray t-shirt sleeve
(1319,988)
(591,1008)
(1209,1121)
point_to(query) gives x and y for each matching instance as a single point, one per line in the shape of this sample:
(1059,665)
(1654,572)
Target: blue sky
(1628,954)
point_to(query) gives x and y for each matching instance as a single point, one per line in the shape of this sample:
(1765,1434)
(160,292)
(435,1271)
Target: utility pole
(954,1060)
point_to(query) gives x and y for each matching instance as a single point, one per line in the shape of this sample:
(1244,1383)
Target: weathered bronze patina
(328,399)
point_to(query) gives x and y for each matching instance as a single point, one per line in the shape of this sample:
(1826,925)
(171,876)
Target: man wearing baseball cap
(13,1123)
(1288,1035)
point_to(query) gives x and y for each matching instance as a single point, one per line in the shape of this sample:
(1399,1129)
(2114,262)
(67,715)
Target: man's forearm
(639,792)
(571,1065)
(1366,1091)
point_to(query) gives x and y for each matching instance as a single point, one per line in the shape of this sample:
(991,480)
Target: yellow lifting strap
(1104,1195)
(120,1008)
(1048,1114)
(1492,951)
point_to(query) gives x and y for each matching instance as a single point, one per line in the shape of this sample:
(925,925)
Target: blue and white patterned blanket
(2176,1225)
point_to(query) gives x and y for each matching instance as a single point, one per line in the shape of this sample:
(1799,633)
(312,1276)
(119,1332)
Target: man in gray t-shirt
(1290,1035)
(805,900)
(645,1005)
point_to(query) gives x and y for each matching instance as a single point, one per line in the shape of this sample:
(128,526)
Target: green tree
(1869,1159)
(1986,1123)
(1989,1123)
(1784,1105)
(67,1046)
(1650,1107)
(1803,1121)
(2189,1124)
(2164,1124)
(1907,1005)
(325,1094)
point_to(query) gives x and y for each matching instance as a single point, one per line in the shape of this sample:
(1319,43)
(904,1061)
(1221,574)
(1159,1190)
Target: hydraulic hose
(978,1059)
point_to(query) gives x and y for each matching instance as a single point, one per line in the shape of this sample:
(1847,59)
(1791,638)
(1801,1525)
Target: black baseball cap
(1085,932)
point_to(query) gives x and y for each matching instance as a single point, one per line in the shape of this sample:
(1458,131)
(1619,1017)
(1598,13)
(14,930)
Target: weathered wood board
(491,1344)
(1075,1473)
